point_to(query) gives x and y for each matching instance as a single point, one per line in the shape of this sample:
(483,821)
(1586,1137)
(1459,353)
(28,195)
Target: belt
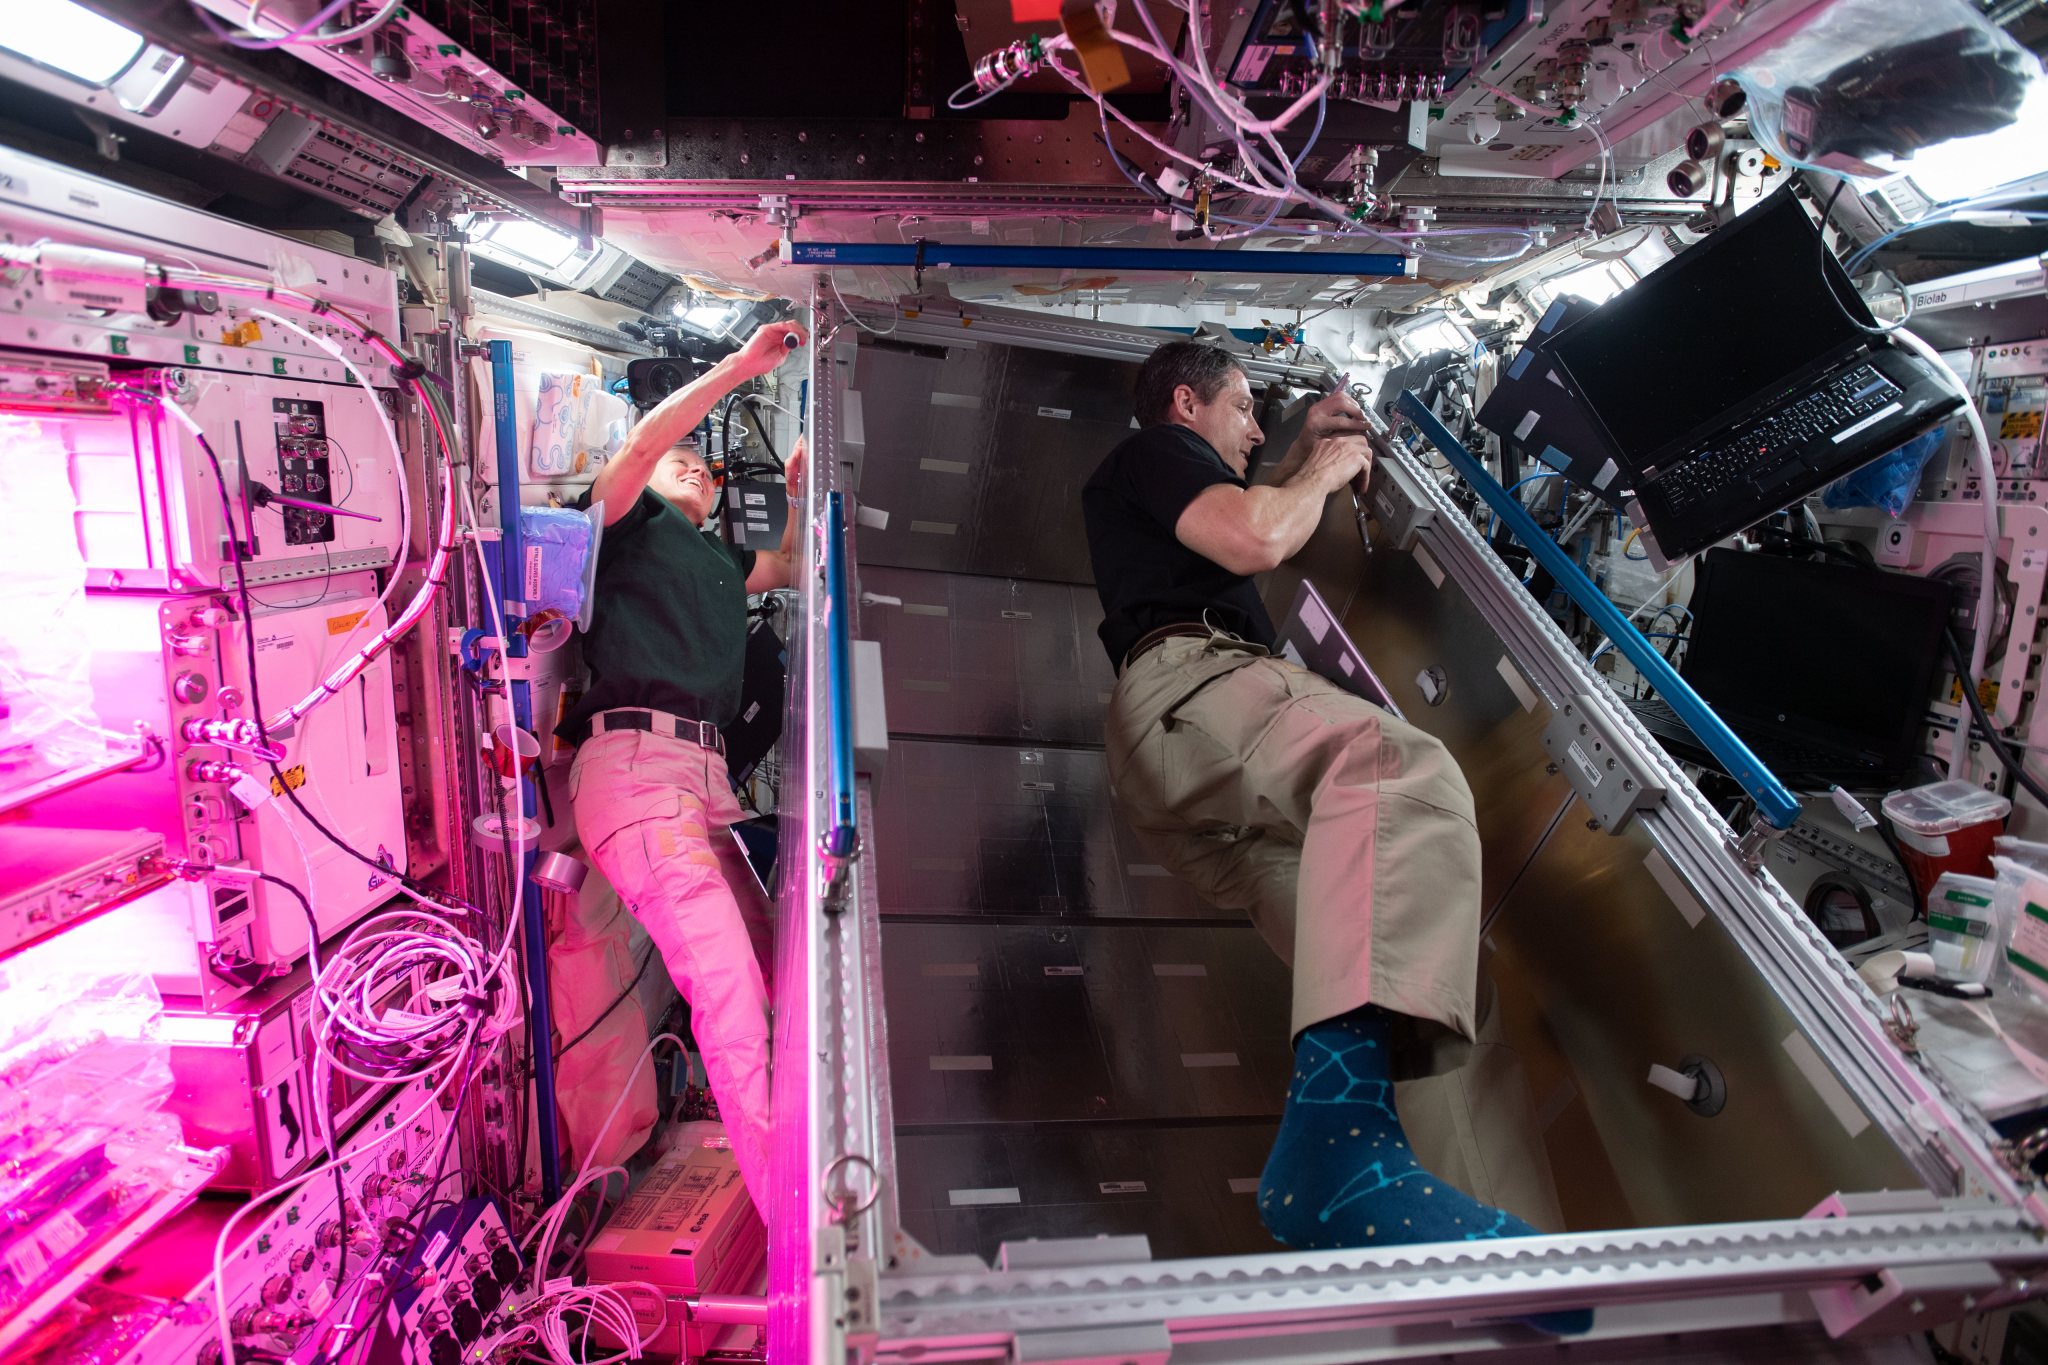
(661,723)
(1160,637)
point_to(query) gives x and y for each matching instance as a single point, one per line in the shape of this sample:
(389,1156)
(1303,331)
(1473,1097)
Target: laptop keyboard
(1766,453)
(1780,755)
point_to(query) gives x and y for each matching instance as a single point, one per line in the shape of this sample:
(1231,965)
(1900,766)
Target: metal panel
(993,658)
(979,457)
(980,829)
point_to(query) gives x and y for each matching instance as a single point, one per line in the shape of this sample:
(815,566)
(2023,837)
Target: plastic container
(1946,827)
(2021,903)
(1962,927)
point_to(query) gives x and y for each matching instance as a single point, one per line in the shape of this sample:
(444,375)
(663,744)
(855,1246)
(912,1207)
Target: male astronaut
(666,646)
(1346,834)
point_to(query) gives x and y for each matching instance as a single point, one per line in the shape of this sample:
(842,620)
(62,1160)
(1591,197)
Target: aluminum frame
(1863,1263)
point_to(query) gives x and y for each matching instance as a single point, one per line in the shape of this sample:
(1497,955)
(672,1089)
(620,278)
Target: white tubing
(1987,585)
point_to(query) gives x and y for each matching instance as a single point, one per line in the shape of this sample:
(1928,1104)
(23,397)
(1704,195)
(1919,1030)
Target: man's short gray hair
(1200,366)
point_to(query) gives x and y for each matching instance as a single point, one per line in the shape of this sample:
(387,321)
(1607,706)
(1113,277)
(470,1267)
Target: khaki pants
(1344,833)
(647,808)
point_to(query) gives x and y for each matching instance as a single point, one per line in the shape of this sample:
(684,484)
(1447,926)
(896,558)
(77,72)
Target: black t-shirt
(669,630)
(1145,576)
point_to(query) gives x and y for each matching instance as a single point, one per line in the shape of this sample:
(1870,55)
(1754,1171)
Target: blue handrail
(1779,807)
(841,839)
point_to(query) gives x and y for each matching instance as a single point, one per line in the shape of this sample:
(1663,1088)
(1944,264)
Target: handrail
(1778,807)
(841,839)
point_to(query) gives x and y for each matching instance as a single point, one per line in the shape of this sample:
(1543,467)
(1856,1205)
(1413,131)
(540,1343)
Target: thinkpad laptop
(1312,638)
(1823,670)
(1732,380)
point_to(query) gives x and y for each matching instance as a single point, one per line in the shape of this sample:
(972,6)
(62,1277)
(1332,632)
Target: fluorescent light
(544,247)
(1965,167)
(71,39)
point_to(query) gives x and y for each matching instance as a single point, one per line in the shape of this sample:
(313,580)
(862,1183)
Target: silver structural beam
(561,324)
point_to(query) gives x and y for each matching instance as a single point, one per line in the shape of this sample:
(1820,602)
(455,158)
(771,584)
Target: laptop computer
(1312,638)
(1731,381)
(1824,670)
(1531,406)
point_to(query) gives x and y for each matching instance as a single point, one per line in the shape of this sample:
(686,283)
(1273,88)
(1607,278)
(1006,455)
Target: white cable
(347,35)
(853,316)
(269,1201)
(1987,578)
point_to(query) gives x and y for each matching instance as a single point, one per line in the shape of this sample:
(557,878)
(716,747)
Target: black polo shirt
(1144,575)
(669,629)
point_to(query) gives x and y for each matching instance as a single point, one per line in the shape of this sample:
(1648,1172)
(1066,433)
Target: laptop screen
(1710,330)
(1833,652)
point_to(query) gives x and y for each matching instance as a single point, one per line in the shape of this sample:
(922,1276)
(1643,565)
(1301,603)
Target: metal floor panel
(1017,1023)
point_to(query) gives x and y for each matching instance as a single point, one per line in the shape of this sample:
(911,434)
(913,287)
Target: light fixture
(712,319)
(523,242)
(71,40)
(1965,167)
(1596,283)
(1433,332)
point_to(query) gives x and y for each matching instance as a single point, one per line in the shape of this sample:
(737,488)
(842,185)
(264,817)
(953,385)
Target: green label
(277,365)
(1961,897)
(191,355)
(2026,964)
(2037,912)
(1955,924)
(118,345)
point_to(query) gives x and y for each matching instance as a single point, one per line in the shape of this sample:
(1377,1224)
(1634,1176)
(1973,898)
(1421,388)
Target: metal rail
(1779,808)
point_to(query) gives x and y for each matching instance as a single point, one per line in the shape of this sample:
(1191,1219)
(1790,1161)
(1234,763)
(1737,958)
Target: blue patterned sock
(1341,1173)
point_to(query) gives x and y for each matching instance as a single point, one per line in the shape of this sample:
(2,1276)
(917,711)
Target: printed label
(1587,768)
(1122,1187)
(531,587)
(2028,952)
(1063,414)
(249,792)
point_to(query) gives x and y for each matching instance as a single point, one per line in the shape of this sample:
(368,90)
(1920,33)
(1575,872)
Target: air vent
(326,162)
(638,287)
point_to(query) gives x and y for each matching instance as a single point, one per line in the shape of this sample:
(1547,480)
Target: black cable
(624,995)
(325,1100)
(1984,725)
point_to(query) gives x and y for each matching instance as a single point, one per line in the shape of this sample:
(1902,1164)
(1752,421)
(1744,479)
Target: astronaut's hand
(1335,461)
(1335,414)
(767,348)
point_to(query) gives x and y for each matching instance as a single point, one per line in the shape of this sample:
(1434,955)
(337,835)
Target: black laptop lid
(1819,651)
(1712,333)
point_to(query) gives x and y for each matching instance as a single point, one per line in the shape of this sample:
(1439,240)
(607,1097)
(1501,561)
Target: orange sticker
(342,625)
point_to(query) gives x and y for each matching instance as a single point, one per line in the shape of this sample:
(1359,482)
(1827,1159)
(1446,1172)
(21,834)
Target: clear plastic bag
(1889,481)
(2021,882)
(1870,82)
(561,546)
